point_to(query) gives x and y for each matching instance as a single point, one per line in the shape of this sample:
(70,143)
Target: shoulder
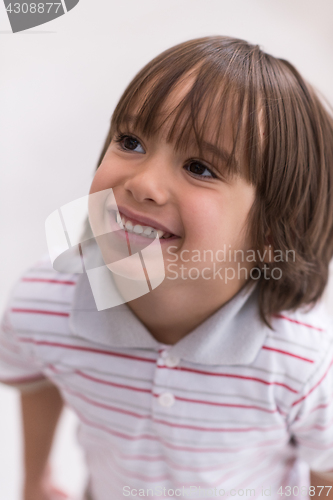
(302,340)
(307,327)
(41,300)
(296,357)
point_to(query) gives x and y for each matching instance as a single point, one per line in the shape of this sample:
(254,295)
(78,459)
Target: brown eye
(197,168)
(130,143)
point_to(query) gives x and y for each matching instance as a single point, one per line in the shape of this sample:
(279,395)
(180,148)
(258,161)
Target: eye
(198,168)
(128,143)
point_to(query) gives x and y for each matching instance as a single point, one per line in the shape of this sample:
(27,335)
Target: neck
(171,310)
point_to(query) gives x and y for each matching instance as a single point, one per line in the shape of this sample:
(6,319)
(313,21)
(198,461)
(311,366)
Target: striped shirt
(231,409)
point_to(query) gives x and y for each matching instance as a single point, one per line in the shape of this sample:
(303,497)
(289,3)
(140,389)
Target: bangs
(203,103)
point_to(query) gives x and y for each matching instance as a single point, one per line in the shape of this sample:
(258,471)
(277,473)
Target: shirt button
(166,399)
(171,361)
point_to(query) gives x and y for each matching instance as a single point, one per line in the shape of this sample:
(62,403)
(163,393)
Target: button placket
(165,399)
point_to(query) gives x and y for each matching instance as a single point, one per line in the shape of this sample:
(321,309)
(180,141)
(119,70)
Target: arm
(41,409)
(318,479)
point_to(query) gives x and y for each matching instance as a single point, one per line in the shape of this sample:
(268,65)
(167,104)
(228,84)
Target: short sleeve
(38,308)
(311,415)
(18,368)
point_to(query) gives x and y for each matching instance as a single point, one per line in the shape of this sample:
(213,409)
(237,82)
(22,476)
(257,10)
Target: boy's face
(187,195)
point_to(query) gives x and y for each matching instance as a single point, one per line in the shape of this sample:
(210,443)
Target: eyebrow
(220,152)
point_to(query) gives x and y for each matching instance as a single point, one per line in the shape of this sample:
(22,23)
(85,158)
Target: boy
(217,382)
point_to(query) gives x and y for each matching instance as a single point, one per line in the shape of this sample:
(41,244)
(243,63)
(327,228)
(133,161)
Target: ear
(268,248)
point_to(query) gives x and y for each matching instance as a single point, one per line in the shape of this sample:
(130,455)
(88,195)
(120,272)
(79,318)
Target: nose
(150,181)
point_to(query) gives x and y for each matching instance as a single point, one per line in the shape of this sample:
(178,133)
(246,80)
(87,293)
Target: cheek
(210,220)
(202,217)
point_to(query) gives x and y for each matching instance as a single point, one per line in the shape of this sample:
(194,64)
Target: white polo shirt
(232,409)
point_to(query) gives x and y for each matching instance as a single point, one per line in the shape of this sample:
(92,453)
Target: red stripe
(87,349)
(115,433)
(44,280)
(196,483)
(38,311)
(230,375)
(171,424)
(169,445)
(178,466)
(229,405)
(185,369)
(105,406)
(113,384)
(318,408)
(99,351)
(78,372)
(216,429)
(281,316)
(129,387)
(165,459)
(287,353)
(137,358)
(318,427)
(316,446)
(315,386)
(257,476)
(138,475)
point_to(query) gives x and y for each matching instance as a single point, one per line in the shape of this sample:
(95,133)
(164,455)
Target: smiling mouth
(132,226)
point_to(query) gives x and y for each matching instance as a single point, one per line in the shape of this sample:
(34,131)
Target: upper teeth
(147,231)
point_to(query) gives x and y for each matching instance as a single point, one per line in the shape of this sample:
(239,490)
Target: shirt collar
(233,335)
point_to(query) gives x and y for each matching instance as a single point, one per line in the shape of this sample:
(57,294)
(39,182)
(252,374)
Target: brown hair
(285,133)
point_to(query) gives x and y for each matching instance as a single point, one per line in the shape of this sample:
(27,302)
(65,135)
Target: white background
(59,84)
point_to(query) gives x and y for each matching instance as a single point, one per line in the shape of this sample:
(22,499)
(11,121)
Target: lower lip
(135,237)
